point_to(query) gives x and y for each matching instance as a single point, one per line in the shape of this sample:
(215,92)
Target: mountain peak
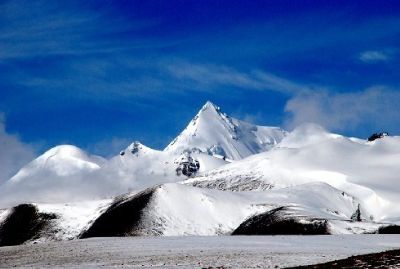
(136,148)
(208,110)
(210,105)
(213,132)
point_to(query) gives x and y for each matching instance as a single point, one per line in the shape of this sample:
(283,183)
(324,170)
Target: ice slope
(216,133)
(367,170)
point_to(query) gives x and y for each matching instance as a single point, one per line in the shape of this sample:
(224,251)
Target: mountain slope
(214,132)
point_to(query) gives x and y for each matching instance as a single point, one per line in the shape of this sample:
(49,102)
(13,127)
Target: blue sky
(99,74)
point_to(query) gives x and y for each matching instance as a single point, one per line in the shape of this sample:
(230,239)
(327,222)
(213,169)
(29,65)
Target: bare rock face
(24,223)
(122,218)
(276,222)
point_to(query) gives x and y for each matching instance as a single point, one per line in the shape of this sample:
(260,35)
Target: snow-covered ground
(195,252)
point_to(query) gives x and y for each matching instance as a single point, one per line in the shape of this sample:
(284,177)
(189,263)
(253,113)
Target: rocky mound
(277,222)
(122,218)
(24,223)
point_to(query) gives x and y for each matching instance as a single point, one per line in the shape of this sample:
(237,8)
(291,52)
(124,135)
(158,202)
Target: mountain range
(220,175)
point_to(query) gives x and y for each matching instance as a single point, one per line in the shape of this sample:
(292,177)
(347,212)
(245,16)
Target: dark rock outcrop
(277,222)
(187,166)
(24,223)
(122,218)
(375,136)
(356,216)
(390,229)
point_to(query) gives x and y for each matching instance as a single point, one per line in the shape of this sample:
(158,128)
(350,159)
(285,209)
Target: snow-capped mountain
(219,176)
(214,132)
(60,161)
(57,175)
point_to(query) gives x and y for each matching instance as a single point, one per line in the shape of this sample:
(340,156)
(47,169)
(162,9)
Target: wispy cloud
(372,56)
(116,77)
(375,108)
(42,28)
(209,76)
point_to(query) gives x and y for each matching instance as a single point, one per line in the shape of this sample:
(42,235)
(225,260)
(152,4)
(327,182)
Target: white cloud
(371,56)
(13,153)
(375,108)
